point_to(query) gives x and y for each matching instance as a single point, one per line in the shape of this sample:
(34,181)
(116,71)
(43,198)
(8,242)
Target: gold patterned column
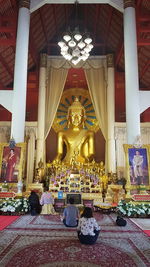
(24,3)
(129,3)
(111,157)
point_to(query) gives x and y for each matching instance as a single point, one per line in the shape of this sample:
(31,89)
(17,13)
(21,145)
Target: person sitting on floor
(71,214)
(120,221)
(47,202)
(88,228)
(35,207)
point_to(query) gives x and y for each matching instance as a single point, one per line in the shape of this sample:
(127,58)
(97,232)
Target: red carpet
(43,241)
(147,232)
(6,220)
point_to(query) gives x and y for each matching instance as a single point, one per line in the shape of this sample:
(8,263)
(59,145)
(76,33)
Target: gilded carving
(43,60)
(129,3)
(24,3)
(110,60)
(120,133)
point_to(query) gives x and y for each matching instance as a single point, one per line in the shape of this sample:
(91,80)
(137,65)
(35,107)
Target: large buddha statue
(79,142)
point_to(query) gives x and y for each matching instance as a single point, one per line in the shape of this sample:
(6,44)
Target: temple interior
(74,92)
(75,133)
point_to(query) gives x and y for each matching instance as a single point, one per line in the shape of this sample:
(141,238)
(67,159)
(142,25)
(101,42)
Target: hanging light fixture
(75,46)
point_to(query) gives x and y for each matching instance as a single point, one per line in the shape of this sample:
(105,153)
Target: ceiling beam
(144,18)
(143,42)
(144,89)
(85,17)
(138,3)
(43,25)
(55,21)
(119,53)
(13,4)
(36,4)
(11,19)
(144,69)
(7,42)
(32,49)
(6,66)
(108,27)
(96,21)
(6,29)
(144,29)
(66,16)
(3,87)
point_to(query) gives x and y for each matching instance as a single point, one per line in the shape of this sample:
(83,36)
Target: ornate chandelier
(75,46)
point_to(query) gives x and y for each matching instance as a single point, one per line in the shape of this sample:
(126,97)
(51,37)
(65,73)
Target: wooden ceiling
(47,25)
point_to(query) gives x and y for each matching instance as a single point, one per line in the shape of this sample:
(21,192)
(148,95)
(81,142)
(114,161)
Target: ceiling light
(75,46)
(67,37)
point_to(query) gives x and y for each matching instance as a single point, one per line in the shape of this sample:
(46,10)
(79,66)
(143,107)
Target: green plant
(129,209)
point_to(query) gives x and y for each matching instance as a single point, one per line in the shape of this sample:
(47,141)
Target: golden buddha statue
(79,141)
(40,172)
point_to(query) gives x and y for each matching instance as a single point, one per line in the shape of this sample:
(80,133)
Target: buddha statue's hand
(90,158)
(57,159)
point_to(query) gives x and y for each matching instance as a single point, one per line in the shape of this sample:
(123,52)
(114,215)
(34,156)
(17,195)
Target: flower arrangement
(14,205)
(133,210)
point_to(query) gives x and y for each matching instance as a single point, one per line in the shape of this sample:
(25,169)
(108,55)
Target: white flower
(12,209)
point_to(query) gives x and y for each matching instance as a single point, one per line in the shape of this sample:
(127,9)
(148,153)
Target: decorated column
(111,115)
(40,152)
(131,73)
(20,72)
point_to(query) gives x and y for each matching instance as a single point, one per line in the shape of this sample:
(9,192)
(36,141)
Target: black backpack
(120,221)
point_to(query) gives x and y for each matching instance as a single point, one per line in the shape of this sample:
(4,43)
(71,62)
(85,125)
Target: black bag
(120,221)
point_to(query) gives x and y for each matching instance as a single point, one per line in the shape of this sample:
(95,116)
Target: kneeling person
(71,214)
(88,228)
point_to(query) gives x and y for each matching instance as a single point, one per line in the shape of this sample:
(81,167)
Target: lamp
(75,46)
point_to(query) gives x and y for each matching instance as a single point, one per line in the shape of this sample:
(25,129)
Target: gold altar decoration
(74,168)
(115,193)
(61,121)
(85,178)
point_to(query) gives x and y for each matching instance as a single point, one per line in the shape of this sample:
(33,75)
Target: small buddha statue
(101,168)
(79,141)
(40,172)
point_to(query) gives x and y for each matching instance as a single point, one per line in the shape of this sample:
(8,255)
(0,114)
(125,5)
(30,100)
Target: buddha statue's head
(76,114)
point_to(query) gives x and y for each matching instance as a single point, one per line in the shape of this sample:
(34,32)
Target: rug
(43,241)
(6,220)
(144,224)
(147,232)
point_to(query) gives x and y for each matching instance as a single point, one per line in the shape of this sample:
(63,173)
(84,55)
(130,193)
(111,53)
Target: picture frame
(137,167)
(12,162)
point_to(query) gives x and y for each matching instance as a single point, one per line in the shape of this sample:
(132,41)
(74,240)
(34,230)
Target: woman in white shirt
(88,228)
